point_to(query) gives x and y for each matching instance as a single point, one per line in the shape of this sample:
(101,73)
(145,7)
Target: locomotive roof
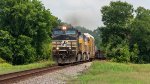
(59,28)
(88,35)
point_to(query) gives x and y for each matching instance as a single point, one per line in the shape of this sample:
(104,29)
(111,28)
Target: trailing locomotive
(69,45)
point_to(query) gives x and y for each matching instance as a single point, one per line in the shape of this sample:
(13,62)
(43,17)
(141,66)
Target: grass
(114,73)
(8,68)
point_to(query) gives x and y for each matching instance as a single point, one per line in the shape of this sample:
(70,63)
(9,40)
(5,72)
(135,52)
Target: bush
(134,54)
(6,42)
(6,54)
(28,24)
(24,52)
(122,52)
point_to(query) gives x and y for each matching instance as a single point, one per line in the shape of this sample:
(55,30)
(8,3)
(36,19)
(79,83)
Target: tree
(97,35)
(6,43)
(28,20)
(117,18)
(141,33)
(24,52)
(118,14)
(84,30)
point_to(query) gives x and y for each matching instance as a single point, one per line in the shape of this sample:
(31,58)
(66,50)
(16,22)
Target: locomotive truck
(69,45)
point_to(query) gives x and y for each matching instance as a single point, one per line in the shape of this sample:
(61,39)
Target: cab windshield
(58,32)
(70,32)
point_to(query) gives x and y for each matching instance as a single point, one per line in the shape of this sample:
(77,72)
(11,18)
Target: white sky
(84,12)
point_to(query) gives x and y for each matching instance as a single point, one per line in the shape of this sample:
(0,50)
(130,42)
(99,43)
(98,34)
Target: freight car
(69,45)
(100,55)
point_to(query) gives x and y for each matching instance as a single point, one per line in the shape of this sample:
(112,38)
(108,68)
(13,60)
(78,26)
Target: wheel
(88,57)
(79,57)
(84,56)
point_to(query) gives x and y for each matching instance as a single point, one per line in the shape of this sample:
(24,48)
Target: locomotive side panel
(91,45)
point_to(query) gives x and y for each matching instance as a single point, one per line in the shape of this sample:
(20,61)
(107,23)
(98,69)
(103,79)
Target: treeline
(126,34)
(84,30)
(25,29)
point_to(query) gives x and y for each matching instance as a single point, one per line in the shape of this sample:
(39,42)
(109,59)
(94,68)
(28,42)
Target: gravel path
(58,77)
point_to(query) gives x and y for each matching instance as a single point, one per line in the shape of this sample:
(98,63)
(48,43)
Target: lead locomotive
(69,45)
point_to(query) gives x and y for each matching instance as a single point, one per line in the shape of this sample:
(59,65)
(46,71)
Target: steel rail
(22,75)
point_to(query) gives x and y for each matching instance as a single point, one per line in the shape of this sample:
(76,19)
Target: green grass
(2,61)
(114,73)
(8,68)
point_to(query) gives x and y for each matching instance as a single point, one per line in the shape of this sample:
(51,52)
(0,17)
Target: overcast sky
(84,12)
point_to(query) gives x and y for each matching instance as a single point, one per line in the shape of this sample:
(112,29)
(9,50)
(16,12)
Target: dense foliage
(98,39)
(25,29)
(126,38)
(141,33)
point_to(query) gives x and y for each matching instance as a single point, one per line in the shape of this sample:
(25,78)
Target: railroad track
(18,76)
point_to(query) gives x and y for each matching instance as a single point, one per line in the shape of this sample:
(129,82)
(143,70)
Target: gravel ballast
(59,76)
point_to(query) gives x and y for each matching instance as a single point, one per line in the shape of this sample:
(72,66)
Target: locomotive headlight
(57,48)
(64,28)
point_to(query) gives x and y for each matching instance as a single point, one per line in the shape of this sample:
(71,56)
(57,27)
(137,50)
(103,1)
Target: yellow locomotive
(69,45)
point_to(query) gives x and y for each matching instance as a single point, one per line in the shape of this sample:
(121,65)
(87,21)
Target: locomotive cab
(65,44)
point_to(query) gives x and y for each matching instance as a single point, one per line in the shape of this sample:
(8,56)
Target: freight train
(69,45)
